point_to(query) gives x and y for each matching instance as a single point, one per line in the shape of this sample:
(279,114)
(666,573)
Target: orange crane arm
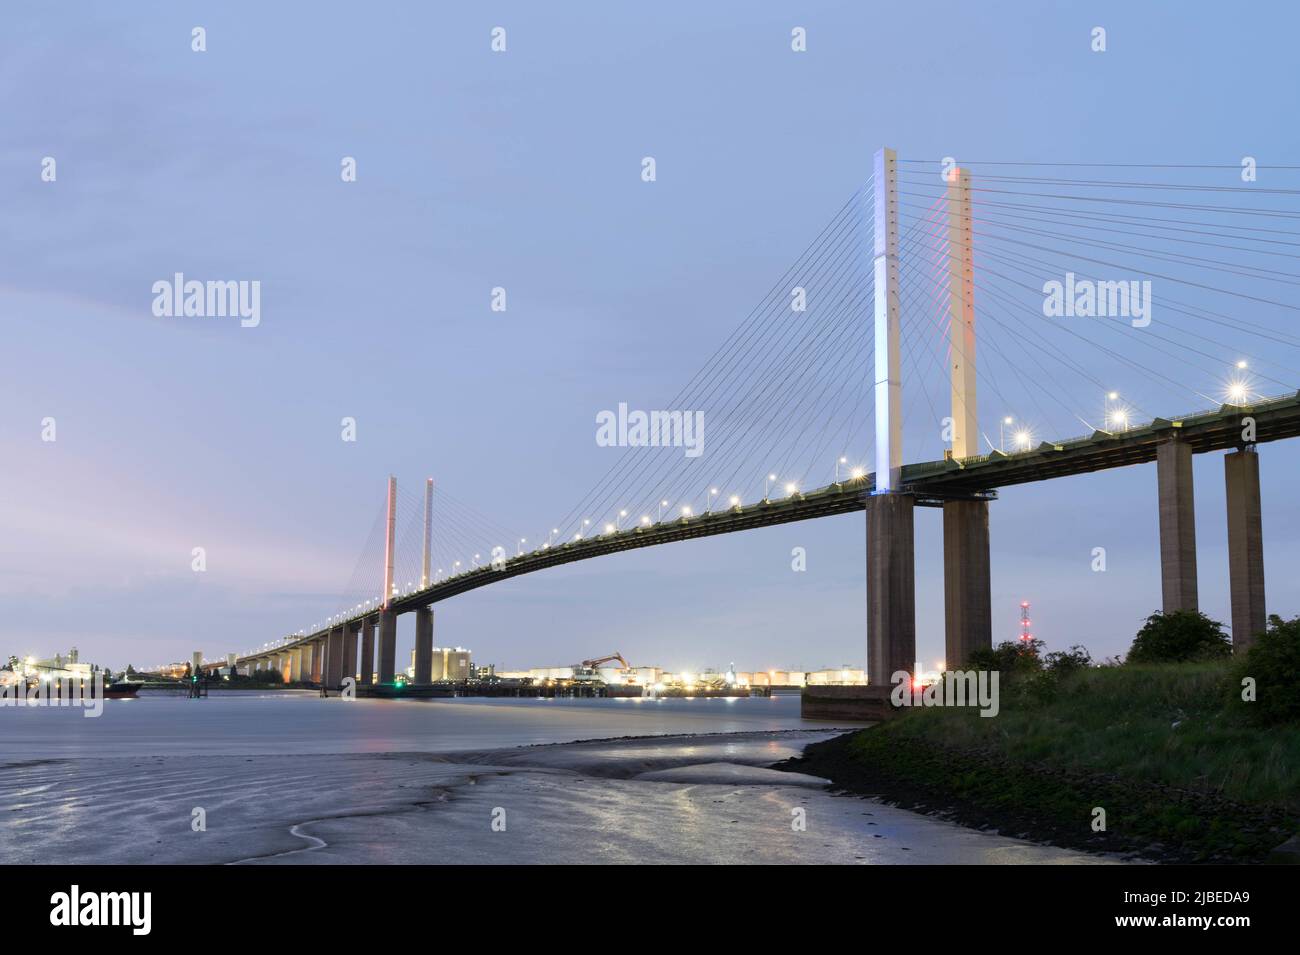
(592,664)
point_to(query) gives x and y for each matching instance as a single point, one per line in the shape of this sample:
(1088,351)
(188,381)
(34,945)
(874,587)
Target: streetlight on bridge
(1238,389)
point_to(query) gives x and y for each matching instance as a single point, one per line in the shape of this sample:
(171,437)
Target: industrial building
(449,663)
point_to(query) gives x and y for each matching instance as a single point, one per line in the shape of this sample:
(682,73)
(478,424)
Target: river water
(287,777)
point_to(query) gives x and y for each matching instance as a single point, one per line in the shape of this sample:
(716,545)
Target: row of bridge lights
(616,526)
(1115,415)
(1236,392)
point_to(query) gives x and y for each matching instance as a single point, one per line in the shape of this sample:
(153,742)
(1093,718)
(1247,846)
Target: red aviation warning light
(1025,635)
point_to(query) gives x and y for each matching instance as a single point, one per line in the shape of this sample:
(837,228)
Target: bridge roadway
(929,483)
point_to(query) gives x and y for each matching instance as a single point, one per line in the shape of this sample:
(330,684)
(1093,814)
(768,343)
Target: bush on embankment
(1270,676)
(1181,636)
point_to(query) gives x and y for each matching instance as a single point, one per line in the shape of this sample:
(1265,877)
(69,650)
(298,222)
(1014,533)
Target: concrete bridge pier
(1245,547)
(1177,525)
(334,657)
(350,632)
(368,651)
(387,645)
(295,665)
(891,587)
(304,673)
(423,646)
(968,613)
(317,660)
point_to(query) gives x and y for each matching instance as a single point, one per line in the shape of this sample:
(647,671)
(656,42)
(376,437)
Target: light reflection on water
(293,722)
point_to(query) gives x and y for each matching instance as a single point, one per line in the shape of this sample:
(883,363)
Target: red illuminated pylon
(1025,635)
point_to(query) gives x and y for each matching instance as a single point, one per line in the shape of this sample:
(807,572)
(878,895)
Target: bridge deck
(930,482)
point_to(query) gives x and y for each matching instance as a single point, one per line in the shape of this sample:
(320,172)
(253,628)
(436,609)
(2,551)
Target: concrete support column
(334,658)
(317,660)
(368,651)
(295,665)
(1245,547)
(968,618)
(286,666)
(350,650)
(1177,525)
(891,587)
(387,645)
(423,646)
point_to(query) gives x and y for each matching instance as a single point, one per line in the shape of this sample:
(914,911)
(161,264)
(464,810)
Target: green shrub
(1010,656)
(1274,664)
(1179,637)
(1062,662)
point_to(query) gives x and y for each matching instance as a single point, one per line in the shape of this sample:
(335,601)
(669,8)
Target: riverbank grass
(1166,750)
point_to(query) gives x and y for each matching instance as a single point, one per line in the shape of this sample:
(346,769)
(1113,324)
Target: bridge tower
(424,616)
(891,571)
(387,618)
(968,617)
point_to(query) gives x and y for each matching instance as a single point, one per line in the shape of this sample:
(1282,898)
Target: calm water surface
(294,722)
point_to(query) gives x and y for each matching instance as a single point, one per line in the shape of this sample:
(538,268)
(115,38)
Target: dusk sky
(522,170)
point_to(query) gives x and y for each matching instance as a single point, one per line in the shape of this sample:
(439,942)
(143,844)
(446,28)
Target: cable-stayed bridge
(975,313)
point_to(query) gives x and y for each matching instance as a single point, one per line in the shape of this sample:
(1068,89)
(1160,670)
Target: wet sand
(663,799)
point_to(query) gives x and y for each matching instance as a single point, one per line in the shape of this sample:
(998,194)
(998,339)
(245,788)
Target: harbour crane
(592,664)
